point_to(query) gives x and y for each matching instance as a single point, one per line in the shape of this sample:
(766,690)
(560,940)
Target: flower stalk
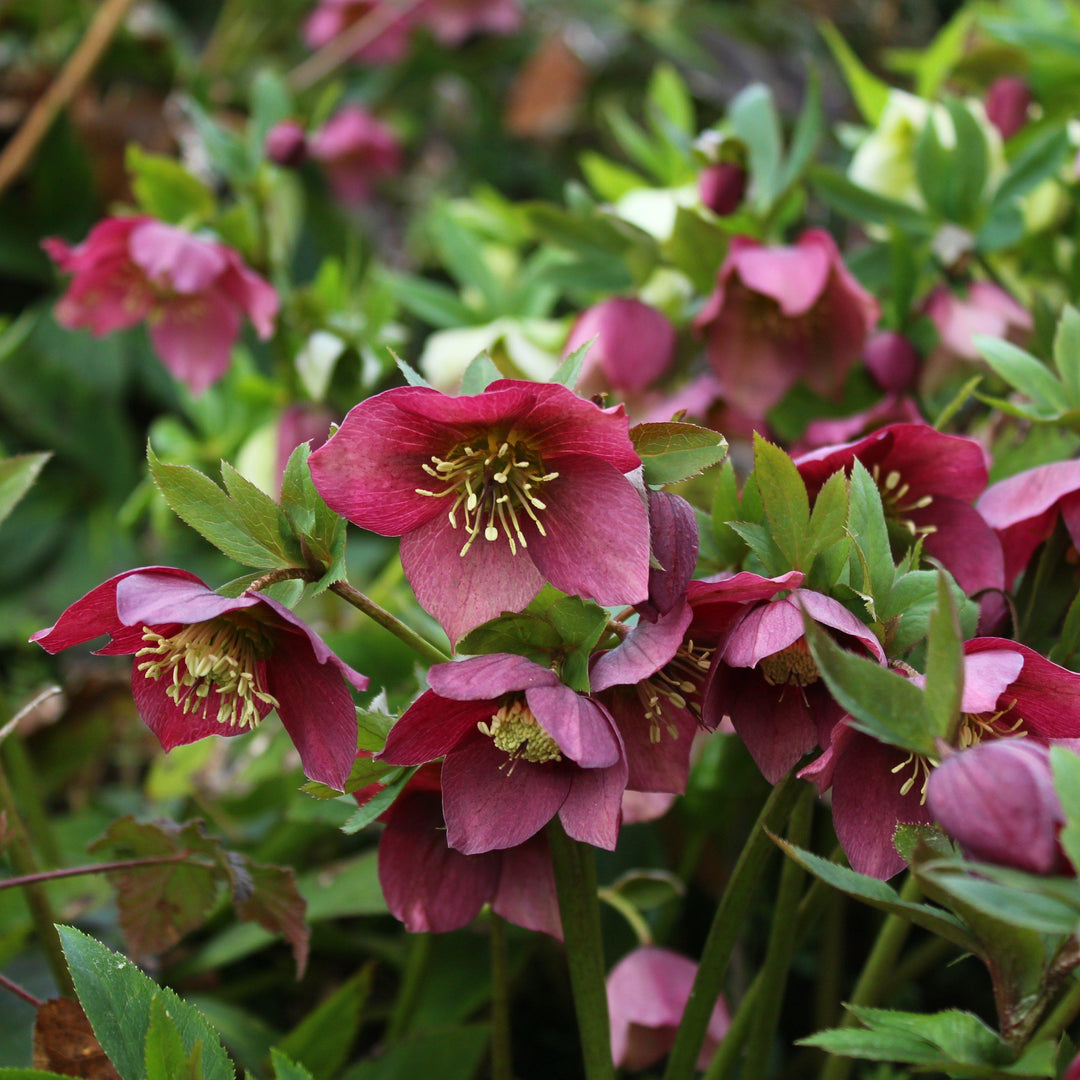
(419,644)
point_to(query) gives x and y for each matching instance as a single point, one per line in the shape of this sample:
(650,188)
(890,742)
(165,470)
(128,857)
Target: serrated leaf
(759,540)
(272,899)
(726,508)
(869,92)
(118,999)
(671,452)
(784,498)
(569,371)
(284,1069)
(1024,372)
(365,771)
(944,664)
(827,539)
(412,376)
(261,516)
(870,533)
(377,805)
(321,531)
(322,1040)
(166,1058)
(17,476)
(480,374)
(1066,769)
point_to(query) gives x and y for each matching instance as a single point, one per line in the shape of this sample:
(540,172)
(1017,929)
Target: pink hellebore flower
(331,18)
(891,409)
(355,149)
(892,361)
(634,345)
(1009,690)
(492,495)
(781,315)
(452,21)
(647,992)
(673,536)
(928,481)
(1024,508)
(429,886)
(207,664)
(763,676)
(520,747)
(286,144)
(194,292)
(1008,99)
(998,801)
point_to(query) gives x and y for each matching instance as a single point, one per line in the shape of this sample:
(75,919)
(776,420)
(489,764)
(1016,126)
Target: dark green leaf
(17,476)
(847,198)
(1038,161)
(449,1054)
(870,537)
(284,1069)
(377,804)
(753,118)
(828,540)
(261,517)
(480,374)
(727,508)
(784,498)
(944,664)
(671,452)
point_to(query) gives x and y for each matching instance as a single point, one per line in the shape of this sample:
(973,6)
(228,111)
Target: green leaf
(806,137)
(1067,353)
(668,94)
(17,476)
(1024,372)
(376,805)
(463,256)
(944,664)
(117,998)
(321,1042)
(271,102)
(364,772)
(1066,769)
(870,535)
(847,198)
(284,1069)
(671,452)
(569,371)
(450,1054)
(261,516)
(635,143)
(786,503)
(227,153)
(697,247)
(725,509)
(828,540)
(320,530)
(753,118)
(869,92)
(610,181)
(480,374)
(166,1058)
(1038,161)
(881,702)
(436,304)
(165,190)
(932,65)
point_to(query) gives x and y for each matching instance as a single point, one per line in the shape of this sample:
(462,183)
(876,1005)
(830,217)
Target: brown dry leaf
(64,1043)
(545,96)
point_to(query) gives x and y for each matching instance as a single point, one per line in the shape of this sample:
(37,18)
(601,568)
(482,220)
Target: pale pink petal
(488,676)
(582,727)
(646,649)
(177,259)
(795,277)
(194,336)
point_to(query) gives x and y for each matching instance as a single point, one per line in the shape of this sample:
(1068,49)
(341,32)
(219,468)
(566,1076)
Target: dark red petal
(582,727)
(168,721)
(592,810)
(431,727)
(526,894)
(488,676)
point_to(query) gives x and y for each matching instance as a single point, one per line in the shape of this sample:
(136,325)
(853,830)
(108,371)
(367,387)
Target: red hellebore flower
(355,149)
(673,535)
(763,676)
(492,495)
(784,314)
(928,481)
(997,799)
(520,748)
(1009,690)
(193,291)
(647,992)
(207,664)
(1024,508)
(429,886)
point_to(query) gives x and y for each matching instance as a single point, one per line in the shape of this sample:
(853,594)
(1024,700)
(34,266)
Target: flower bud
(997,799)
(722,187)
(1007,103)
(286,144)
(892,361)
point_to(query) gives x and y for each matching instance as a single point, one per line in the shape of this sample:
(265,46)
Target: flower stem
(18,991)
(874,976)
(411,982)
(23,859)
(502,1062)
(415,641)
(1060,1017)
(575,883)
(781,945)
(97,868)
(726,924)
(630,913)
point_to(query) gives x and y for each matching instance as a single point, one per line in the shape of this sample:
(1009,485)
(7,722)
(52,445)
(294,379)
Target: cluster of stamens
(921,766)
(493,482)
(515,731)
(792,666)
(219,656)
(677,685)
(893,495)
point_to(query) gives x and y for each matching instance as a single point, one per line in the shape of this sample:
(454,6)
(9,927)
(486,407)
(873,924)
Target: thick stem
(1060,1017)
(411,982)
(726,924)
(781,945)
(418,644)
(579,908)
(502,1062)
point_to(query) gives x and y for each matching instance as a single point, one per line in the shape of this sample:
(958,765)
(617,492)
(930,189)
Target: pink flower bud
(1007,103)
(997,800)
(892,361)
(722,187)
(286,144)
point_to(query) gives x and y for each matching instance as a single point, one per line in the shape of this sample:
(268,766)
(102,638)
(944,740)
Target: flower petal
(488,676)
(194,336)
(592,810)
(431,727)
(582,727)
(646,649)
(526,894)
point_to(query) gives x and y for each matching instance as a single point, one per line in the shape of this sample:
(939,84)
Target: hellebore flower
(634,345)
(194,292)
(286,144)
(891,409)
(1024,508)
(520,748)
(722,187)
(492,495)
(1009,690)
(892,361)
(928,481)
(1008,99)
(647,992)
(781,315)
(673,536)
(997,800)
(207,664)
(355,149)
(429,886)
(331,18)
(763,676)
(452,21)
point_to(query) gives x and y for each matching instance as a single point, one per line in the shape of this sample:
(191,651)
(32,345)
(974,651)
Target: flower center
(677,685)
(514,730)
(494,485)
(897,502)
(793,666)
(221,656)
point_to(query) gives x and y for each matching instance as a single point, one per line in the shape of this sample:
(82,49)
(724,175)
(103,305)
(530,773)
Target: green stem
(1060,1017)
(418,644)
(41,911)
(875,975)
(726,924)
(411,982)
(630,913)
(502,1061)
(781,945)
(575,882)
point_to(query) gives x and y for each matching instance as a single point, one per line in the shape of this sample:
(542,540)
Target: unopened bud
(722,187)
(286,144)
(892,361)
(1007,103)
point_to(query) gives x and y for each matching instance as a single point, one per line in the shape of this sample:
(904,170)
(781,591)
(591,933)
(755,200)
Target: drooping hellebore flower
(673,535)
(997,800)
(193,291)
(520,747)
(763,676)
(784,314)
(647,992)
(1009,690)
(492,495)
(355,149)
(207,664)
(429,886)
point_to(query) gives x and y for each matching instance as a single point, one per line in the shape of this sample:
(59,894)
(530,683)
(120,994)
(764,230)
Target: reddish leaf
(268,895)
(64,1043)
